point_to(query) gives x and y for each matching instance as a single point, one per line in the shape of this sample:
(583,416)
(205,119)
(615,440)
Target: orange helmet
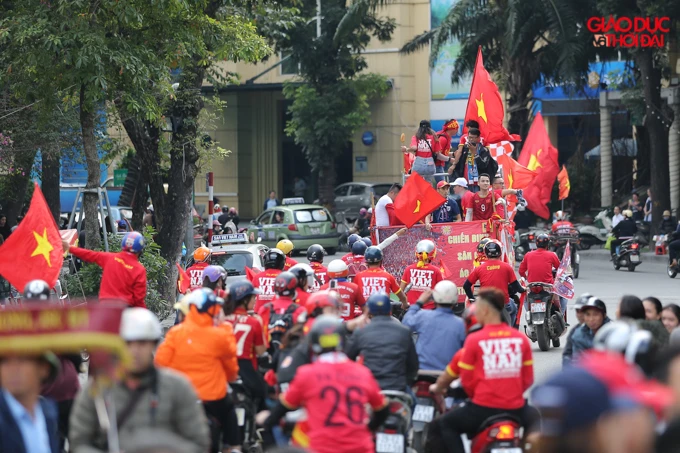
(202,254)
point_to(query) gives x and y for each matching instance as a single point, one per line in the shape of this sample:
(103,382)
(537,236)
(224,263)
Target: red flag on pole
(184,281)
(565,185)
(250,274)
(34,250)
(416,200)
(485,106)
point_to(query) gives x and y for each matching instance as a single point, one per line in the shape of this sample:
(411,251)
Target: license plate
(634,258)
(538,307)
(389,443)
(532,246)
(423,413)
(506,450)
(240,416)
(315,230)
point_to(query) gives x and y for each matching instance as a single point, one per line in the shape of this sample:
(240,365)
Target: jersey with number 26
(335,395)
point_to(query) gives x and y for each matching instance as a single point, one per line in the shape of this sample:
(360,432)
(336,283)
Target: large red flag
(515,175)
(565,185)
(485,106)
(34,250)
(540,156)
(416,200)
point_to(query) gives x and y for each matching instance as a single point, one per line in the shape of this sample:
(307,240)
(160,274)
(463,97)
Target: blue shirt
(446,212)
(270,203)
(33,430)
(440,335)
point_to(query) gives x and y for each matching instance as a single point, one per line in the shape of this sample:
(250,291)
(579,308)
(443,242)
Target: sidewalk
(604,255)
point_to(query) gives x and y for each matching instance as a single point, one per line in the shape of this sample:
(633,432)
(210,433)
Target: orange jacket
(204,353)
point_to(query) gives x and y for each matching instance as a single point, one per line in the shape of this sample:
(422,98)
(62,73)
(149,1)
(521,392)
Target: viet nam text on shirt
(502,357)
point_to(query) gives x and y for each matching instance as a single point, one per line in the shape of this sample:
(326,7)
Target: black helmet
(582,300)
(285,284)
(274,259)
(542,241)
(37,290)
(594,302)
(373,255)
(241,290)
(315,253)
(359,247)
(482,243)
(327,334)
(493,249)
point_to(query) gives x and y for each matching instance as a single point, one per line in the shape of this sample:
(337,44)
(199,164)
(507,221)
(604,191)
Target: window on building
(289,67)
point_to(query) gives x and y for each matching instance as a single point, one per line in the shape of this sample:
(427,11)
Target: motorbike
(526,243)
(393,435)
(595,234)
(246,410)
(544,315)
(428,407)
(627,255)
(559,241)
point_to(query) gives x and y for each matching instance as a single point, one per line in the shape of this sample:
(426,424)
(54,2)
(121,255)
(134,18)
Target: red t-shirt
(335,395)
(466,202)
(279,305)
(302,297)
(494,274)
(562,227)
(423,278)
(444,142)
(290,262)
(537,266)
(453,369)
(482,207)
(376,280)
(249,333)
(350,297)
(423,149)
(196,274)
(356,264)
(321,273)
(347,258)
(265,282)
(497,367)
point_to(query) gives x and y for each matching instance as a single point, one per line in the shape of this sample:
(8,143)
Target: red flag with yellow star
(416,200)
(565,185)
(485,106)
(34,250)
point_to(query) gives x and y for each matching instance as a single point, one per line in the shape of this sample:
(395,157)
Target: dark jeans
(254,382)
(223,411)
(64,408)
(445,431)
(674,250)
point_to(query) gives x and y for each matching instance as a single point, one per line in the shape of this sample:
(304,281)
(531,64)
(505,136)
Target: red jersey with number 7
(335,392)
(249,333)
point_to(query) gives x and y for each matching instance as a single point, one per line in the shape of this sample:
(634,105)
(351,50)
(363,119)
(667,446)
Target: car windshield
(234,263)
(311,215)
(126,213)
(381,189)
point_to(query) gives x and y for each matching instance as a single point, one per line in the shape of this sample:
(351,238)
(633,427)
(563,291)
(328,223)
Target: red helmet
(285,284)
(469,317)
(320,300)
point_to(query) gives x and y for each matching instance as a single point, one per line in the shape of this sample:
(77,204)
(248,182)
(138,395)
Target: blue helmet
(242,289)
(359,248)
(351,239)
(379,304)
(203,299)
(133,242)
(373,255)
(367,241)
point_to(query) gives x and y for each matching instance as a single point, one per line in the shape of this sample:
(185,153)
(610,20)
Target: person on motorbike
(351,240)
(202,256)
(495,273)
(394,367)
(207,355)
(367,240)
(422,275)
(123,276)
(674,247)
(480,257)
(147,396)
(623,231)
(215,278)
(315,254)
(251,343)
(561,225)
(376,280)
(595,316)
(305,277)
(362,224)
(350,296)
(440,332)
(580,318)
(274,262)
(282,313)
(287,248)
(493,390)
(667,224)
(357,262)
(332,380)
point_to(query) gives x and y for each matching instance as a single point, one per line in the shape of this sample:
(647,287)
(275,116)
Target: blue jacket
(581,340)
(440,335)
(11,440)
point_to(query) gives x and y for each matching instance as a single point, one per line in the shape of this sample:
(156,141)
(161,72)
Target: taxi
(235,253)
(303,224)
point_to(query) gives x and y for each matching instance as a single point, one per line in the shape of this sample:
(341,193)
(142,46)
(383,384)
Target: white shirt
(616,219)
(380,211)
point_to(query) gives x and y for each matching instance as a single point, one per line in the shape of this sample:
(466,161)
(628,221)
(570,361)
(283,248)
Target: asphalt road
(599,278)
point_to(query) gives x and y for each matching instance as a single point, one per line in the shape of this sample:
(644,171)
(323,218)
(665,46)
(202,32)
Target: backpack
(280,323)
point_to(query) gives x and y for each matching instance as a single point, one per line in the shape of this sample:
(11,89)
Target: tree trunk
(90,201)
(650,76)
(50,183)
(327,178)
(19,185)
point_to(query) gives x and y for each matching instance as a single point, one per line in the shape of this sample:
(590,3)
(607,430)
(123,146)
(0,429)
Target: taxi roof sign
(236,238)
(290,201)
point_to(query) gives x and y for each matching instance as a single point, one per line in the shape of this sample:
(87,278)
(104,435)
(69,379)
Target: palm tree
(523,42)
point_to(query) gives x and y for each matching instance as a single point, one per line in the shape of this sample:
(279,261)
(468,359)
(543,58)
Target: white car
(234,253)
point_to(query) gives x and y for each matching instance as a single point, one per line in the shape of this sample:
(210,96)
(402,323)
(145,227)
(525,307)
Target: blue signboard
(612,74)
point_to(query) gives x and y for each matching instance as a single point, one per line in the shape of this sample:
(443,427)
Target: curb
(603,255)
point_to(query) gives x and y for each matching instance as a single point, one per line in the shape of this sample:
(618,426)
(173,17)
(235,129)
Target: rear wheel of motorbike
(631,267)
(575,269)
(542,336)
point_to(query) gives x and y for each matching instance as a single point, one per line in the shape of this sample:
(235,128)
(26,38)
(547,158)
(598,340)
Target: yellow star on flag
(509,180)
(533,161)
(481,110)
(44,247)
(417,209)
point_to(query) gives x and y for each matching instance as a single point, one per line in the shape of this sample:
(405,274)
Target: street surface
(599,278)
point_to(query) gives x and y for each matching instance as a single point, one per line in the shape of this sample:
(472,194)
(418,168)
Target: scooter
(544,316)
(393,435)
(246,410)
(595,234)
(628,255)
(560,244)
(428,407)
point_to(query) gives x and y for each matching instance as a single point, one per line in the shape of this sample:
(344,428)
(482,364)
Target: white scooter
(595,234)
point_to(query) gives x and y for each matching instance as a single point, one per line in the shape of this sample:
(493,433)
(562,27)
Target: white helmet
(425,246)
(337,269)
(560,215)
(139,324)
(445,293)
(301,269)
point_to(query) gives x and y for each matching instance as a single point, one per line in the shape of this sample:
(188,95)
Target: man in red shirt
(305,277)
(315,254)
(123,276)
(496,368)
(351,239)
(376,280)
(561,225)
(287,248)
(282,313)
(350,296)
(481,204)
(335,392)
(422,276)
(274,261)
(201,261)
(494,273)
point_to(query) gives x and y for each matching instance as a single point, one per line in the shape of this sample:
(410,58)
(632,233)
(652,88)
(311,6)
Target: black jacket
(625,228)
(485,163)
(11,439)
(388,351)
(667,226)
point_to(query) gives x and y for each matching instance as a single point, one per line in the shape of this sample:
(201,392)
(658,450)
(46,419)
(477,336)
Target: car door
(279,222)
(359,196)
(342,199)
(257,227)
